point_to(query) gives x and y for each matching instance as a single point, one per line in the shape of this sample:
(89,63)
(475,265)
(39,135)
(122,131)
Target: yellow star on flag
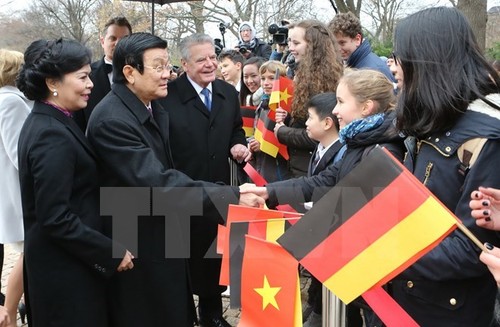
(268,294)
(284,96)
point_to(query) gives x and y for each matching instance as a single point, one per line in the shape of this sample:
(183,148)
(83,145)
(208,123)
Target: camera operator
(249,45)
(281,52)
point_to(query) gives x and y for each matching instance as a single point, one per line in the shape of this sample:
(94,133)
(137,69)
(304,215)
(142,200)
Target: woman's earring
(55,93)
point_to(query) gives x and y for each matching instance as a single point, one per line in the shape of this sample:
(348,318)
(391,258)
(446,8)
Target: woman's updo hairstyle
(45,59)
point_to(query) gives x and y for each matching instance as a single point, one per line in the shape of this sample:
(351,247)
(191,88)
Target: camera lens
(273,29)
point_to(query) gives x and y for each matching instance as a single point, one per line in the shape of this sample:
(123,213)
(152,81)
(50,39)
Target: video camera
(218,46)
(244,49)
(279,33)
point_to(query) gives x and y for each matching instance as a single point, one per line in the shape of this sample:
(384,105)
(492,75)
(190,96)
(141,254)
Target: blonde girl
(272,169)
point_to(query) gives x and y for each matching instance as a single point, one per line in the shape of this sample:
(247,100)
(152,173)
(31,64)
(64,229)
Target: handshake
(252,195)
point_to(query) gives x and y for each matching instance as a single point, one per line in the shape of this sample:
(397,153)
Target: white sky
(9,5)
(324,12)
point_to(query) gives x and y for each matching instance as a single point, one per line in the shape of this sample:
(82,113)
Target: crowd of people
(120,170)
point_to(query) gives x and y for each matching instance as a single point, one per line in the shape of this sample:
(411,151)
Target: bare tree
(384,14)
(182,19)
(349,5)
(61,18)
(476,13)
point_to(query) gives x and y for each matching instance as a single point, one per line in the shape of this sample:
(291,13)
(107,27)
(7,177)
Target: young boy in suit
(322,126)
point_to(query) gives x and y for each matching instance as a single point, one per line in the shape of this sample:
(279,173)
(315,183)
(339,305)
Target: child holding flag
(272,168)
(365,111)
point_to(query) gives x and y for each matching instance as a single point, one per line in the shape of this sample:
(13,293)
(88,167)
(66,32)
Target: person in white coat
(14,108)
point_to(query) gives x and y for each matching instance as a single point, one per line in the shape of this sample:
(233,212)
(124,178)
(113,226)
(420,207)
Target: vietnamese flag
(268,229)
(282,93)
(372,225)
(248,116)
(269,286)
(241,213)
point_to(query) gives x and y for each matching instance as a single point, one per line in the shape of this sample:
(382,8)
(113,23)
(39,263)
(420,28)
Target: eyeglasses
(245,30)
(160,68)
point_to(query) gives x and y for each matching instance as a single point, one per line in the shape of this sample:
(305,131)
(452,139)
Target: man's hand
(126,263)
(260,191)
(241,153)
(251,200)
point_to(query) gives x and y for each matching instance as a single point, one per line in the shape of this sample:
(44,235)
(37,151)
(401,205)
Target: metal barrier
(334,310)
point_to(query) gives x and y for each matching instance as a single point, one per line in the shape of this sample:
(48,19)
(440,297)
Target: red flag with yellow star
(270,287)
(282,93)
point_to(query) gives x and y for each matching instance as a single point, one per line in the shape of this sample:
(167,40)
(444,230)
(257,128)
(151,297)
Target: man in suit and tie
(129,130)
(205,130)
(102,69)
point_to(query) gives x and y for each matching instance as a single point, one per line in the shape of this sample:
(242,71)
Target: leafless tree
(349,5)
(384,14)
(476,13)
(60,18)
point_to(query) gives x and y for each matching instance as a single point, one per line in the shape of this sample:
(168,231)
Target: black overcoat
(67,259)
(201,142)
(134,151)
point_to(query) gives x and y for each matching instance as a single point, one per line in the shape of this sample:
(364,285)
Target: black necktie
(316,159)
(108,68)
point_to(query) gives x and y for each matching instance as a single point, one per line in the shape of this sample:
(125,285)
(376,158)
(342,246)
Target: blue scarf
(360,125)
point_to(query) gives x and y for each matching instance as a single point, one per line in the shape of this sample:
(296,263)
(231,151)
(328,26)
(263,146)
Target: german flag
(248,116)
(264,133)
(372,225)
(270,286)
(282,93)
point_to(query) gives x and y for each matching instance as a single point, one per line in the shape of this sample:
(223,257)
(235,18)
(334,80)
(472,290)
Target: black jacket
(305,189)
(201,141)
(134,151)
(449,286)
(66,255)
(300,146)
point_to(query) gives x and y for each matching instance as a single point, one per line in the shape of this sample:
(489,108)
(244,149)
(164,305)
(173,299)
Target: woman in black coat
(450,95)
(67,259)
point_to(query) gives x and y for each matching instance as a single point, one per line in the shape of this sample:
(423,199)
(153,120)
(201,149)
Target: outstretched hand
(485,207)
(260,191)
(126,263)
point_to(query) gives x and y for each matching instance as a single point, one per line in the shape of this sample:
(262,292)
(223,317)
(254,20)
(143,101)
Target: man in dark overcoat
(205,133)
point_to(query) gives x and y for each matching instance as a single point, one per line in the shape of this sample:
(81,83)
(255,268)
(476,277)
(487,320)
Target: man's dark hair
(130,51)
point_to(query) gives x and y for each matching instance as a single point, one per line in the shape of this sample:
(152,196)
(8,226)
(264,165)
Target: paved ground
(231,315)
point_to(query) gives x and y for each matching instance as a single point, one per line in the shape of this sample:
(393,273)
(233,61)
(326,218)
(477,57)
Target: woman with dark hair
(319,70)
(252,93)
(450,96)
(67,259)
